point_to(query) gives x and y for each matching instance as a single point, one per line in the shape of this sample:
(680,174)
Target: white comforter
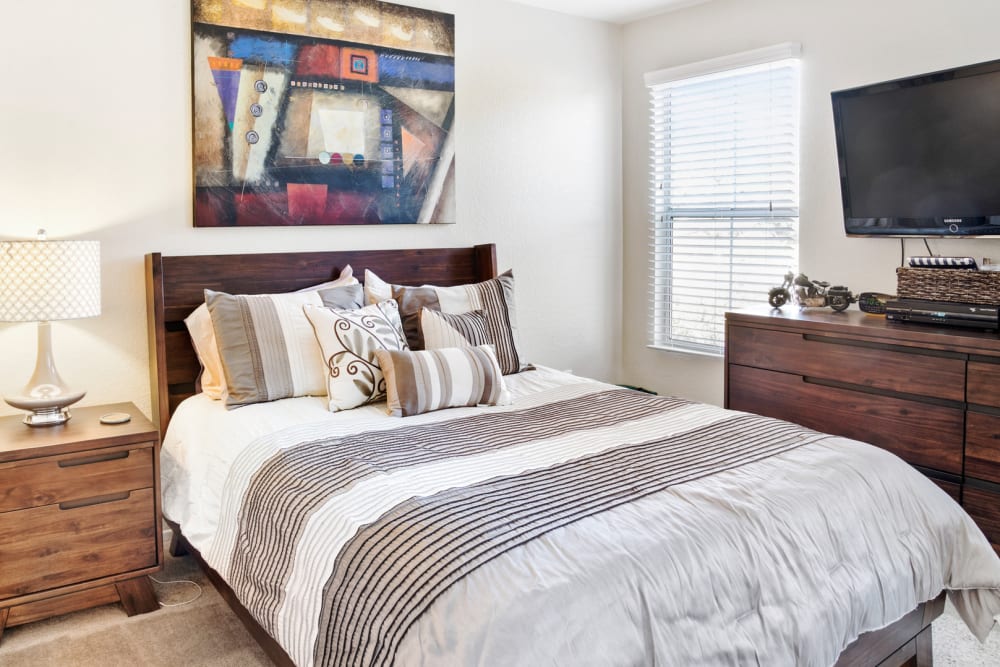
(780,562)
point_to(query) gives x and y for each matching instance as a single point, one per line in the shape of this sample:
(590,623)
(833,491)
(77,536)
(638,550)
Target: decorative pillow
(427,380)
(199,325)
(494,297)
(441,330)
(267,346)
(350,340)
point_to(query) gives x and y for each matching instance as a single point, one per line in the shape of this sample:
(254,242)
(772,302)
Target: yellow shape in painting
(368,19)
(330,24)
(287,15)
(252,4)
(401,33)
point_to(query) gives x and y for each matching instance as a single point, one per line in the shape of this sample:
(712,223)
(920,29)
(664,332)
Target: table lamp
(41,281)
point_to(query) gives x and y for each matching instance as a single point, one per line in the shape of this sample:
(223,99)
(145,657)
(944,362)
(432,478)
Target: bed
(746,562)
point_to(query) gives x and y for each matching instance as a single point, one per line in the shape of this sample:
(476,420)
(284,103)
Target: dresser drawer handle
(99,458)
(99,500)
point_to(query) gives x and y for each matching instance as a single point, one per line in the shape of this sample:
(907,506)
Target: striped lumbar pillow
(349,340)
(267,346)
(443,330)
(418,382)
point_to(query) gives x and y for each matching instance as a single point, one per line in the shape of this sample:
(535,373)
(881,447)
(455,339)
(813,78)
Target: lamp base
(46,396)
(52,417)
(45,412)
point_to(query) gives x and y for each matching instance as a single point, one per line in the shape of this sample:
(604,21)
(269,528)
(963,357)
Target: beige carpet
(206,632)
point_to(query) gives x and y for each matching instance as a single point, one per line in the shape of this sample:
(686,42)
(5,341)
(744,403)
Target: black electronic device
(920,156)
(971,315)
(874,302)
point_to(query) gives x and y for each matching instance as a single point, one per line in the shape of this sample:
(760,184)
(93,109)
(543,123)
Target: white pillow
(349,340)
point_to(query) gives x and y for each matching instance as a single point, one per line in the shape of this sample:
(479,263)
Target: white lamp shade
(49,280)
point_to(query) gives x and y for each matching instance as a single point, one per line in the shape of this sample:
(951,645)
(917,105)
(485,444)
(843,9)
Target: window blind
(724,199)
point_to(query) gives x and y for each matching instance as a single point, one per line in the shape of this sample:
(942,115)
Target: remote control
(874,302)
(942,263)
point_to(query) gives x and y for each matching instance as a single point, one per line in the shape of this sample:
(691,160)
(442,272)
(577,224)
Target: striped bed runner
(391,571)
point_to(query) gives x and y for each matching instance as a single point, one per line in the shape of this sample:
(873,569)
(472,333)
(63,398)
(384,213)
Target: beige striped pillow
(199,325)
(267,346)
(427,380)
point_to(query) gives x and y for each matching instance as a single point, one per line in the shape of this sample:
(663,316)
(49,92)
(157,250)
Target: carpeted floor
(205,632)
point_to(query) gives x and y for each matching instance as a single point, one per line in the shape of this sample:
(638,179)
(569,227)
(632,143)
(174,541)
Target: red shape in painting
(306,201)
(322,60)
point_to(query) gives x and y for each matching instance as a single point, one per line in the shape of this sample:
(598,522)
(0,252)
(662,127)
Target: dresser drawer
(880,420)
(982,446)
(984,384)
(58,545)
(60,479)
(881,367)
(984,507)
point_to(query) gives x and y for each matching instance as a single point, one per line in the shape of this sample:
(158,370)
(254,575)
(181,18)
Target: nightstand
(79,515)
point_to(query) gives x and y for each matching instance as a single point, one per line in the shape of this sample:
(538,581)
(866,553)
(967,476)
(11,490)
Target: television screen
(921,156)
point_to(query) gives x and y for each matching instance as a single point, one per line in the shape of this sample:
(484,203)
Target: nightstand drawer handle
(99,458)
(100,500)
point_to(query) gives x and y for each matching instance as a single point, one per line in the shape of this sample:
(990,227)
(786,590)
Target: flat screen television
(921,156)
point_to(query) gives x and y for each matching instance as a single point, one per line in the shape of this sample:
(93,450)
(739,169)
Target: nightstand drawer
(58,545)
(75,477)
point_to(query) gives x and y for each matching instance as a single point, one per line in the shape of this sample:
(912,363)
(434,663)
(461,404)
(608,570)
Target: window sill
(684,350)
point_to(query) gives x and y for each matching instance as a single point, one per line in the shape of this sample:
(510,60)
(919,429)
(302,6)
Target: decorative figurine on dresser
(810,293)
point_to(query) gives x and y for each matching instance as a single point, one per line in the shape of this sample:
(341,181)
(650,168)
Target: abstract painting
(322,112)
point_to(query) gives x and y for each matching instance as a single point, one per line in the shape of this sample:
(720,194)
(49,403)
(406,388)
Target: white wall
(95,137)
(844,44)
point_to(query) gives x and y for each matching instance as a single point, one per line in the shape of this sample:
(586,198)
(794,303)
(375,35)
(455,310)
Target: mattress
(582,524)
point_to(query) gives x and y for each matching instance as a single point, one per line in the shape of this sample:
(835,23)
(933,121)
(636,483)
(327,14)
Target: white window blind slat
(724,191)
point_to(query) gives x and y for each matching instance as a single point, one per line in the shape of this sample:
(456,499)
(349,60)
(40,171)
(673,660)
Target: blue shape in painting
(387,153)
(388,182)
(262,50)
(388,167)
(416,73)
(227,83)
(387,116)
(387,133)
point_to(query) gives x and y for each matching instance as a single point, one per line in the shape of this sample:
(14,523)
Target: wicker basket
(957,285)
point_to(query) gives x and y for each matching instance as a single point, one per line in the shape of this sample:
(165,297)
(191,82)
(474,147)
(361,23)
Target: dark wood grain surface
(982,446)
(48,547)
(880,420)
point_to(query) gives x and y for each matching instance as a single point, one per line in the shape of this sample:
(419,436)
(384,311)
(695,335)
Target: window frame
(662,234)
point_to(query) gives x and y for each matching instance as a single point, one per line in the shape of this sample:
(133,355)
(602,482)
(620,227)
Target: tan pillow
(199,326)
(426,380)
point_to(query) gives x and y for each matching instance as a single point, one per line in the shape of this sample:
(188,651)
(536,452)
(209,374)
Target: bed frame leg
(178,545)
(925,649)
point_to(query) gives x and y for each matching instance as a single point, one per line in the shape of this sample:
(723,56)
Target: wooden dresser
(79,515)
(929,394)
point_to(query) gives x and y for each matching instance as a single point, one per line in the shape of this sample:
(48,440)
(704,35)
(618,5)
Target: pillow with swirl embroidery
(349,340)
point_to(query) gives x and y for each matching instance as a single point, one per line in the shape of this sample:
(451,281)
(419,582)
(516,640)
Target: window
(724,203)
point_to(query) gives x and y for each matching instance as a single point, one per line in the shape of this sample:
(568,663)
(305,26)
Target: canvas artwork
(322,112)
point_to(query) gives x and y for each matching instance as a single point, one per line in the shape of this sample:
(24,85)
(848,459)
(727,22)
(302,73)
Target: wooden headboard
(175,284)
